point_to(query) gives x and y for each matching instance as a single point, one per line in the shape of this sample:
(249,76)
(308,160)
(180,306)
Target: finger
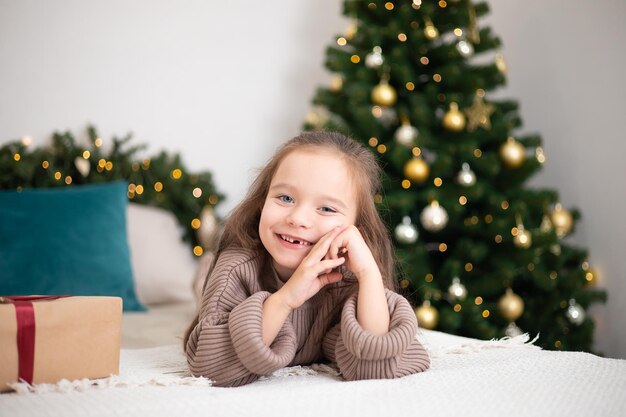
(338,246)
(320,249)
(328,265)
(330,278)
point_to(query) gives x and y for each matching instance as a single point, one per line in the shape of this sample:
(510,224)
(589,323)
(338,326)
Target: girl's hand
(314,272)
(372,310)
(359,259)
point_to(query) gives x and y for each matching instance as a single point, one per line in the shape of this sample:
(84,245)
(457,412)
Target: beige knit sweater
(227,347)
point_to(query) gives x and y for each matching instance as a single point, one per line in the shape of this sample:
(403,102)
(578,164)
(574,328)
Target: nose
(299,216)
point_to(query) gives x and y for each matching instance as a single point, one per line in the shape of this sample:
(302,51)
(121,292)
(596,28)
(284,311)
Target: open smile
(296,241)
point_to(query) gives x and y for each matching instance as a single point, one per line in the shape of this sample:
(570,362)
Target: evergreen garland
(161,180)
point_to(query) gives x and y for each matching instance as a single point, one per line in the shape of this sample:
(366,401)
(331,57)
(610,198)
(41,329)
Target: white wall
(566,67)
(225,82)
(222,82)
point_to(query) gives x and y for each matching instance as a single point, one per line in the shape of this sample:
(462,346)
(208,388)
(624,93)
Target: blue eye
(327,209)
(285,198)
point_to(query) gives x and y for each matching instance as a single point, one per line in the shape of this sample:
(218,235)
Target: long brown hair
(241,227)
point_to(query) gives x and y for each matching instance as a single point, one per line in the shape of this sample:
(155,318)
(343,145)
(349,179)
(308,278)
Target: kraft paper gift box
(44,339)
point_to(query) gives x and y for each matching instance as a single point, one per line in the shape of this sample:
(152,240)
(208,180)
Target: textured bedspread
(468,377)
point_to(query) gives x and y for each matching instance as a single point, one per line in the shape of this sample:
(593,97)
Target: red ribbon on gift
(25,316)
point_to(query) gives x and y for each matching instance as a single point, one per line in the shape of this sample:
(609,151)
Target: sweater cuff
(246,330)
(364,345)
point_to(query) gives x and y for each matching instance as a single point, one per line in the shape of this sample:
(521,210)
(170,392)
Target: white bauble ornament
(82,165)
(434,217)
(375,58)
(575,313)
(387,116)
(457,290)
(466,176)
(465,48)
(406,134)
(512,330)
(406,232)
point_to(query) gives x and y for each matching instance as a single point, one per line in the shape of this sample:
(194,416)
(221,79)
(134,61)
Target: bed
(468,377)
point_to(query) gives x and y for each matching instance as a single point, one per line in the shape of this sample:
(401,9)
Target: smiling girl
(304,273)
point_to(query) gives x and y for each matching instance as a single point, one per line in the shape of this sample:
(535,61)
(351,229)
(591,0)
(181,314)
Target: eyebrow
(324,197)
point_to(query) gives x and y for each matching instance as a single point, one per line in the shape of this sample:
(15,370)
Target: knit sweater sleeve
(226,345)
(361,355)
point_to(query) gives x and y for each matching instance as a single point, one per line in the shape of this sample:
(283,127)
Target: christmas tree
(480,253)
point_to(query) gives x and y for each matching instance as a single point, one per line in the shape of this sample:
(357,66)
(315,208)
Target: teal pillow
(66,241)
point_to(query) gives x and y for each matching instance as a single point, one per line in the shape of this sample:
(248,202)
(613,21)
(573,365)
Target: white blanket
(468,377)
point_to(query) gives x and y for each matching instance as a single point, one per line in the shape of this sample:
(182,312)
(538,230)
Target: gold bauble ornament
(351,31)
(562,221)
(336,83)
(523,238)
(430,31)
(511,305)
(512,153)
(591,277)
(501,63)
(416,170)
(207,232)
(546,224)
(454,120)
(540,155)
(384,94)
(317,117)
(427,316)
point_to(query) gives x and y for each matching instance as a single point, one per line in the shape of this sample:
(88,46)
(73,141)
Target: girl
(304,272)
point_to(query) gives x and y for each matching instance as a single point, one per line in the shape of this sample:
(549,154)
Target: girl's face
(311,193)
